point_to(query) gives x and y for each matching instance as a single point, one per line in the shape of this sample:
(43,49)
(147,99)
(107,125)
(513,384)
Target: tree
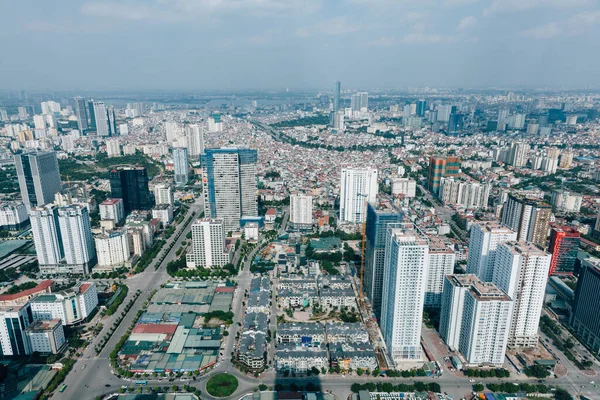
(537,371)
(562,394)
(478,387)
(262,387)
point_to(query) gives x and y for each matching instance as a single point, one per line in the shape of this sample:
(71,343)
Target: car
(539,381)
(107,385)
(472,380)
(83,366)
(592,382)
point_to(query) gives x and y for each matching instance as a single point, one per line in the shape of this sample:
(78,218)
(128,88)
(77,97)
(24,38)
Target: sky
(298,44)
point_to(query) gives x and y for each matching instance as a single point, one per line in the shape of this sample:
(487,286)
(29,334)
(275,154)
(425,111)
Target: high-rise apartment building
(208,244)
(112,121)
(530,218)
(113,148)
(359,100)
(521,270)
(441,263)
(112,209)
(229,185)
(358,187)
(39,177)
(214,123)
(465,194)
(46,234)
(81,113)
(131,185)
(112,248)
(584,317)
(163,194)
(14,321)
(181,165)
(483,244)
(76,236)
(101,116)
(405,280)
(441,167)
(301,209)
(379,215)
(518,154)
(564,246)
(195,141)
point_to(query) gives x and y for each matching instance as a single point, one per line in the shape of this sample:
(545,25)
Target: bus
(141,383)
(62,388)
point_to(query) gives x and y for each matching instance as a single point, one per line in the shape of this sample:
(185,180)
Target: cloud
(508,6)
(466,23)
(545,31)
(334,27)
(574,25)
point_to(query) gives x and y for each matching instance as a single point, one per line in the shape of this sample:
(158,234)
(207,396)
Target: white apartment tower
(181,165)
(357,187)
(441,263)
(404,283)
(195,140)
(521,270)
(76,234)
(208,244)
(301,209)
(113,148)
(484,241)
(112,248)
(101,117)
(46,234)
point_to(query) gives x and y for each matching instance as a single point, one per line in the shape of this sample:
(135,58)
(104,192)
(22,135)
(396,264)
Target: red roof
(42,287)
(271,211)
(110,202)
(84,287)
(224,289)
(155,328)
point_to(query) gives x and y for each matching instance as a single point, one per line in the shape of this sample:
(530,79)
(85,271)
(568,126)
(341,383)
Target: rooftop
(41,287)
(111,202)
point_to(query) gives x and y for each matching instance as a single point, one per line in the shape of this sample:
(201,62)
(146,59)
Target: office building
(421,108)
(440,167)
(584,316)
(14,320)
(101,116)
(358,187)
(465,194)
(91,115)
(46,234)
(455,123)
(112,248)
(71,306)
(46,337)
(483,244)
(39,177)
(518,154)
(112,121)
(521,270)
(81,114)
(337,88)
(378,218)
(301,211)
(208,244)
(113,148)
(181,164)
(113,210)
(229,185)
(530,218)
(404,284)
(564,245)
(443,113)
(131,185)
(441,263)
(485,325)
(76,236)
(13,216)
(163,194)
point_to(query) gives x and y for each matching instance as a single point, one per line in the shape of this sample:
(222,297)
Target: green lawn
(221,385)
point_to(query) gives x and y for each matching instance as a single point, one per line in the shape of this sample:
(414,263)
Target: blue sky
(300,44)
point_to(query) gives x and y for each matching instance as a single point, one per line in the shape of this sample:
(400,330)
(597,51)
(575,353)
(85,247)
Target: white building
(76,235)
(113,148)
(404,284)
(112,249)
(70,306)
(163,212)
(357,187)
(46,337)
(484,241)
(101,116)
(45,231)
(13,216)
(123,129)
(14,319)
(181,165)
(195,141)
(301,211)
(208,244)
(173,131)
(404,186)
(566,201)
(112,210)
(251,231)
(215,124)
(163,194)
(441,263)
(521,270)
(465,194)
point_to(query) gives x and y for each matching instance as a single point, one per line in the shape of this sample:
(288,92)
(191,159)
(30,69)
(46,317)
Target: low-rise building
(70,306)
(342,297)
(297,298)
(353,355)
(46,337)
(346,332)
(299,359)
(307,334)
(164,213)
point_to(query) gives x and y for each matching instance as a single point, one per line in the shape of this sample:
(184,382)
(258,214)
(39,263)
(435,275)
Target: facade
(46,337)
(584,317)
(453,304)
(357,188)
(39,177)
(404,186)
(378,218)
(229,185)
(181,163)
(131,185)
(70,306)
(113,148)
(353,356)
(405,280)
(484,241)
(195,141)
(14,320)
(112,210)
(76,235)
(518,154)
(251,231)
(112,248)
(164,213)
(346,333)
(441,263)
(301,209)
(564,245)
(440,167)
(163,194)
(13,216)
(308,334)
(530,218)
(81,113)
(566,201)
(46,235)
(208,244)
(465,194)
(101,119)
(337,87)
(521,270)
(298,359)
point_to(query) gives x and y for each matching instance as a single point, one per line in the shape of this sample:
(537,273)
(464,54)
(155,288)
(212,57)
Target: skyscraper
(112,121)
(484,241)
(530,218)
(46,234)
(564,245)
(76,235)
(208,244)
(518,154)
(358,186)
(337,88)
(81,113)
(301,209)
(131,185)
(421,107)
(521,270)
(91,115)
(181,164)
(101,116)
(39,177)
(455,123)
(404,282)
(584,317)
(441,263)
(195,141)
(229,184)
(440,167)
